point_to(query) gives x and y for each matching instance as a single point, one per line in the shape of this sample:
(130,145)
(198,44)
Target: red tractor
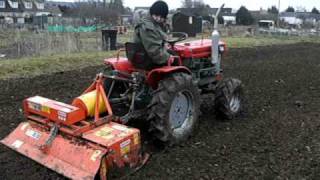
(89,138)
(168,97)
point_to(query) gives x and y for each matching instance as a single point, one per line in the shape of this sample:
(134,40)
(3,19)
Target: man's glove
(172,52)
(174,60)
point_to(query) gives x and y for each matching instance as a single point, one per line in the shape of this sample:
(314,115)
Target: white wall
(292,20)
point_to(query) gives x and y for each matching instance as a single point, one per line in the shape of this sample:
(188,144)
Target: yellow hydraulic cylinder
(87,102)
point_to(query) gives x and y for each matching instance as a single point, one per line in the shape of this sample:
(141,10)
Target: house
(205,11)
(263,15)
(229,19)
(20,11)
(291,19)
(308,18)
(223,12)
(59,3)
(297,19)
(54,11)
(58,8)
(10,11)
(141,8)
(227,14)
(266,24)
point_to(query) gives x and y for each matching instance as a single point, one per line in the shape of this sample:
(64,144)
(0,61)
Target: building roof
(288,14)
(224,11)
(59,3)
(211,11)
(23,4)
(54,10)
(263,15)
(301,15)
(143,8)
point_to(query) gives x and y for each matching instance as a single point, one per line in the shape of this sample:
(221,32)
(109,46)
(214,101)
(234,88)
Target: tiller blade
(75,160)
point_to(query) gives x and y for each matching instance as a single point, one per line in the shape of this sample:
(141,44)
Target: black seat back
(138,56)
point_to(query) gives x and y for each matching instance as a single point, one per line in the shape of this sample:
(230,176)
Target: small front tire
(228,100)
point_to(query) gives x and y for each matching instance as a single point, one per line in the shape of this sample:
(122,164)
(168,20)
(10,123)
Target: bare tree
(301,9)
(290,9)
(97,10)
(117,5)
(202,8)
(198,4)
(187,3)
(273,10)
(315,11)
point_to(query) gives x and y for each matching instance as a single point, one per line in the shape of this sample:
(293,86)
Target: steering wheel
(175,37)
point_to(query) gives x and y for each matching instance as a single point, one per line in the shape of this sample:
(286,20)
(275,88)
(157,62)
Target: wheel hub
(235,103)
(181,109)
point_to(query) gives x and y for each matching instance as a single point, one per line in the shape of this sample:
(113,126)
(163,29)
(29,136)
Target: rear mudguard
(153,77)
(120,64)
(156,75)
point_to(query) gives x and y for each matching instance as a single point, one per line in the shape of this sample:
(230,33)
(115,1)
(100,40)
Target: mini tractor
(88,138)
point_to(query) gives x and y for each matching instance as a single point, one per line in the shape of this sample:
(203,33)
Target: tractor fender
(156,75)
(120,64)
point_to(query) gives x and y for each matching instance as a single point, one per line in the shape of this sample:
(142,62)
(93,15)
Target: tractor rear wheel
(228,100)
(174,109)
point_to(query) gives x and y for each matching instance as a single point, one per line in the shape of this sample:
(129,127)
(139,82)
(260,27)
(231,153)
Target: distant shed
(182,22)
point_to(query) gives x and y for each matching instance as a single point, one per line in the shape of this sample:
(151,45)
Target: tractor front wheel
(174,109)
(228,100)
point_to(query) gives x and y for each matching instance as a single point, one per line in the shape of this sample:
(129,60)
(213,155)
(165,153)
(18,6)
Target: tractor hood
(196,48)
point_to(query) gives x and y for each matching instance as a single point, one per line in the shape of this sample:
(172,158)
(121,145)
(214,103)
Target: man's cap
(159,8)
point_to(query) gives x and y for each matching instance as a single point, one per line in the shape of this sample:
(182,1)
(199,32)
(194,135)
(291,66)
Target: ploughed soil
(277,136)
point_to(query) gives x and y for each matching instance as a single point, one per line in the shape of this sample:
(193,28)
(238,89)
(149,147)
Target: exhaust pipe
(215,37)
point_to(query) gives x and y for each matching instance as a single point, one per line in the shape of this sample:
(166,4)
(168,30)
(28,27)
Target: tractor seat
(138,56)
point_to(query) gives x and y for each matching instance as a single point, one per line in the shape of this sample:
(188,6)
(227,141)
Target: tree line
(102,11)
(108,12)
(243,15)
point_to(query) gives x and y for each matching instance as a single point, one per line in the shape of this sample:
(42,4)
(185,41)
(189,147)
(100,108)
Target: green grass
(33,66)
(241,42)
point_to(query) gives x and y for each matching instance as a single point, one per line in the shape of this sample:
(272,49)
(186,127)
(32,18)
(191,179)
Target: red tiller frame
(83,126)
(98,85)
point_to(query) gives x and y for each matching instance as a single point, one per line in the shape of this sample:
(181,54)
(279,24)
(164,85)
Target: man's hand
(172,52)
(174,61)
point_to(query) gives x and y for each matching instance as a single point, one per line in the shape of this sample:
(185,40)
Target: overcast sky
(235,4)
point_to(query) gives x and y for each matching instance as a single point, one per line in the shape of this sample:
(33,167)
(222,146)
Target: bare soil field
(278,136)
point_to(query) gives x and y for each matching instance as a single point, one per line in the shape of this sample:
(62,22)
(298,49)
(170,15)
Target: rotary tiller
(80,141)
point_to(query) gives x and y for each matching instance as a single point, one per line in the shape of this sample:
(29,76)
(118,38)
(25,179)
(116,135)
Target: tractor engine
(197,56)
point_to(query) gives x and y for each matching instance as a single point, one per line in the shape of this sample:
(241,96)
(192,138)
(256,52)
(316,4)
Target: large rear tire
(174,109)
(228,100)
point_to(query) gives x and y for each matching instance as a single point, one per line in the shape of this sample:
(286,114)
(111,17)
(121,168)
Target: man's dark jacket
(152,36)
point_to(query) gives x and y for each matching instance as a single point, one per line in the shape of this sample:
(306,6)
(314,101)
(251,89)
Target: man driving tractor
(150,32)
